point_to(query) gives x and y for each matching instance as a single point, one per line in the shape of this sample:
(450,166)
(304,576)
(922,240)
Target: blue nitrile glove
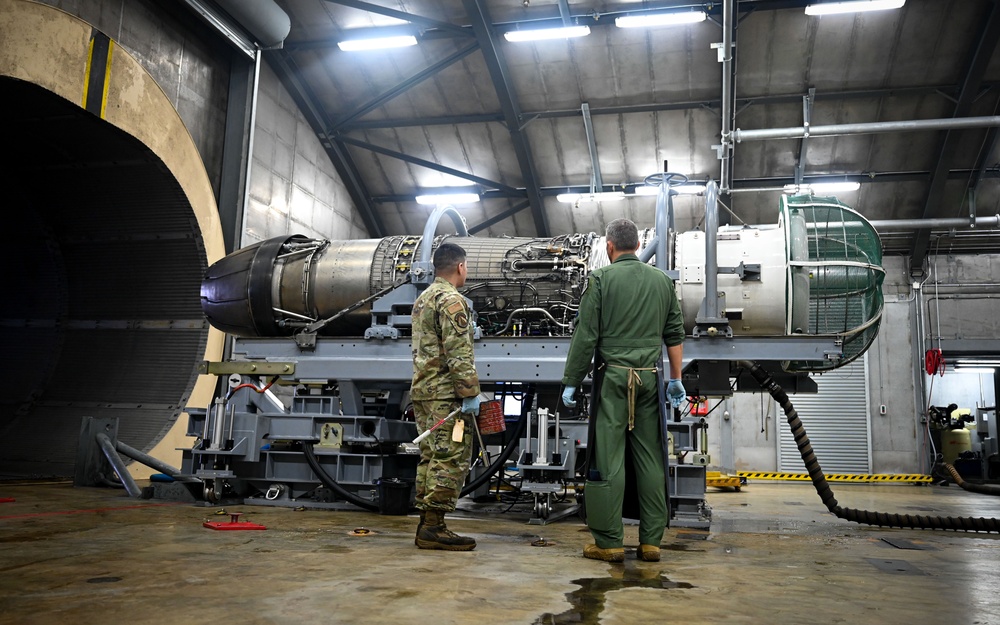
(676,392)
(470,405)
(567,396)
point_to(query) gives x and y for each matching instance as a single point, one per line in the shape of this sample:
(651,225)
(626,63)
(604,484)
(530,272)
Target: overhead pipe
(264,19)
(663,222)
(588,126)
(889,225)
(711,252)
(799,132)
(993,221)
(726,57)
(430,229)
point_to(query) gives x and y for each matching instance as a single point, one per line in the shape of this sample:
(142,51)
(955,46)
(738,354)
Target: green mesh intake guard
(835,276)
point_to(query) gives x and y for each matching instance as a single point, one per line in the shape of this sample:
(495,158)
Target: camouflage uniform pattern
(444,372)
(443,363)
(444,464)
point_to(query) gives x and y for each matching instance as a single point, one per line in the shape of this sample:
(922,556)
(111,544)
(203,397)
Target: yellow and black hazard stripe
(860,478)
(95,86)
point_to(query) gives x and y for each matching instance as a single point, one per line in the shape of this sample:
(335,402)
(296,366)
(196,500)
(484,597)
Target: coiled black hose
(361,502)
(504,455)
(882,519)
(329,482)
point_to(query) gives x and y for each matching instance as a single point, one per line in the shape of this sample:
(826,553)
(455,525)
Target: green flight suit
(628,311)
(444,372)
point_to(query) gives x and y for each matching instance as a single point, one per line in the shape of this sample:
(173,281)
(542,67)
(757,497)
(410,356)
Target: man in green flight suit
(627,312)
(444,380)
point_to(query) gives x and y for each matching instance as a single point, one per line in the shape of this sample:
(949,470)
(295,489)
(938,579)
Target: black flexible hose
(982,489)
(329,482)
(882,519)
(508,450)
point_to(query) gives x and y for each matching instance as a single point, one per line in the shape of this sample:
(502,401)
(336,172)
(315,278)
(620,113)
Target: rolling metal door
(836,420)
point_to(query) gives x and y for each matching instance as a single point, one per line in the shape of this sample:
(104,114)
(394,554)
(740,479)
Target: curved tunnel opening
(104,258)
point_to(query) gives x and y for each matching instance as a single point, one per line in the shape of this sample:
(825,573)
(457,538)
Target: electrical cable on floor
(882,519)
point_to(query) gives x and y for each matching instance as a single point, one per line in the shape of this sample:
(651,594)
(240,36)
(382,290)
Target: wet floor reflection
(588,601)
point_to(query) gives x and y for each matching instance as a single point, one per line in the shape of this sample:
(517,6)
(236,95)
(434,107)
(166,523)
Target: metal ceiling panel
(881,66)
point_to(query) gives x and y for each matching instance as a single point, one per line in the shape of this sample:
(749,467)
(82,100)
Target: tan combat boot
(434,534)
(649,553)
(612,554)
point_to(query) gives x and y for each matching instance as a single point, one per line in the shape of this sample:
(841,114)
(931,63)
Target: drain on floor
(588,600)
(896,567)
(361,531)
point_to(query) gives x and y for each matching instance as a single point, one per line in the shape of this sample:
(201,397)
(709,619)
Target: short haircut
(623,235)
(447,257)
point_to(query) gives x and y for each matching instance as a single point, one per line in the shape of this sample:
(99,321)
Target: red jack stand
(233,524)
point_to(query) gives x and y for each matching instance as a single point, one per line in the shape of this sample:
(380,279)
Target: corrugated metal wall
(836,420)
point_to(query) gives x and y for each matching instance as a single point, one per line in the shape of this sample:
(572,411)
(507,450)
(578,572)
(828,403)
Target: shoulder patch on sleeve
(456,308)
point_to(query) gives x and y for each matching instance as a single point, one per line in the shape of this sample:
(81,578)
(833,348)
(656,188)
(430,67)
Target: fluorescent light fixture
(852,6)
(834,187)
(647,20)
(606,196)
(681,189)
(541,34)
(822,187)
(979,370)
(689,189)
(645,189)
(378,37)
(448,198)
(971,362)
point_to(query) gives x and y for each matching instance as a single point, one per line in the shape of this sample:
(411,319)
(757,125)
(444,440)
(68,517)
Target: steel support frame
(740,103)
(401,88)
(431,165)
(241,113)
(400,15)
(502,359)
(513,210)
(980,61)
(483,27)
(284,67)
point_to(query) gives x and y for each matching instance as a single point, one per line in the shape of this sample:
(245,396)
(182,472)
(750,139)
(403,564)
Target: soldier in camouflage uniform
(627,313)
(444,380)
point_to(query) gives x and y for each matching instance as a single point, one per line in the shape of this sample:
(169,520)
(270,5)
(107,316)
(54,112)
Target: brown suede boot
(420,525)
(434,534)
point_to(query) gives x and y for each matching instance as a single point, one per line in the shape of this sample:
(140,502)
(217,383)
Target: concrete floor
(773,555)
